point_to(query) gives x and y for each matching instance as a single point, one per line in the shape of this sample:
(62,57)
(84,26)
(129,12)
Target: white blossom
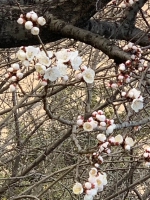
(35,30)
(21,55)
(63,55)
(134,93)
(88,75)
(50,54)
(31,52)
(104,178)
(94,123)
(40,68)
(76,62)
(129,141)
(87,126)
(25,63)
(137,104)
(43,59)
(118,139)
(62,69)
(77,188)
(41,21)
(51,73)
(93,172)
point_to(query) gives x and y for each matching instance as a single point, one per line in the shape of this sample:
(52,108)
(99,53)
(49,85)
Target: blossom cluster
(126,70)
(13,75)
(31,22)
(146,156)
(96,182)
(128,3)
(42,61)
(134,95)
(104,146)
(98,120)
(125,3)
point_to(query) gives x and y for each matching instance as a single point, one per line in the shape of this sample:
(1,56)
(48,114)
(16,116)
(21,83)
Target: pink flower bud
(94,114)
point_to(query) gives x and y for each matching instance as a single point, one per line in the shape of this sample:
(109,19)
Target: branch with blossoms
(59,68)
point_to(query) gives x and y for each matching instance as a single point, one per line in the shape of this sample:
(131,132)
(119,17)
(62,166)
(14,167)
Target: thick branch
(115,30)
(76,12)
(87,37)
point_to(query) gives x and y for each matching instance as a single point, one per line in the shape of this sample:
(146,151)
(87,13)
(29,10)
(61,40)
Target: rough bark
(63,18)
